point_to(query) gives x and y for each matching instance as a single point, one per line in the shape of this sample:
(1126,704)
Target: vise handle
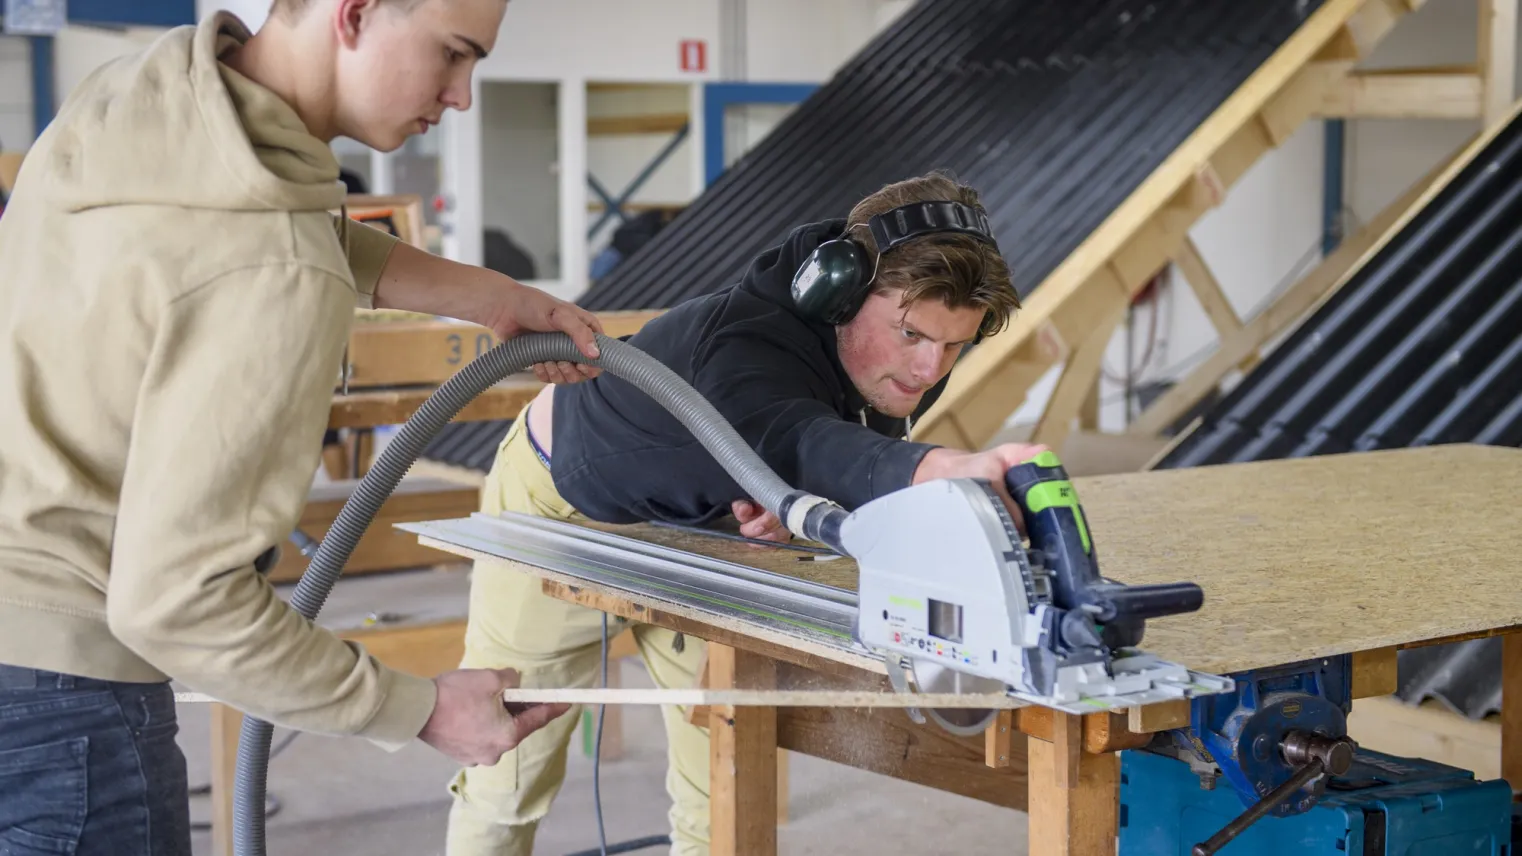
(1314,754)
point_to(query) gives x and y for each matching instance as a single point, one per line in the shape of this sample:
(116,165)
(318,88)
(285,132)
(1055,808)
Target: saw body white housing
(945,580)
(940,580)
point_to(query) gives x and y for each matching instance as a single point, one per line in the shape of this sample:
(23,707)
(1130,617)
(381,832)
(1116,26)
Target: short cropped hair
(291,10)
(960,270)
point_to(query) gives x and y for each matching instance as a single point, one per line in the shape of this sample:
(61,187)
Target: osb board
(1298,558)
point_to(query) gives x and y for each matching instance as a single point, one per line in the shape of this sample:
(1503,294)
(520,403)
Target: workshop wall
(15,94)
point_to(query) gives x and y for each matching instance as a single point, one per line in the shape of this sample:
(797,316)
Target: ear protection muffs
(833,282)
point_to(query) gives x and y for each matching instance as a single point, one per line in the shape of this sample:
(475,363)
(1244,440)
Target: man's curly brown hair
(959,270)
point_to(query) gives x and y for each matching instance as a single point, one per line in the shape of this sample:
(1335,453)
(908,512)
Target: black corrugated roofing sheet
(1421,346)
(1055,110)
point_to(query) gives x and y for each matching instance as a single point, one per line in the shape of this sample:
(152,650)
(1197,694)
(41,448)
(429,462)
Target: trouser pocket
(43,797)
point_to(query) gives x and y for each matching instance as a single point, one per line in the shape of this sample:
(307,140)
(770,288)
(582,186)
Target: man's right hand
(990,465)
(471,723)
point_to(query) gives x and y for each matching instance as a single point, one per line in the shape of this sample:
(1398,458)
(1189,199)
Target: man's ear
(350,19)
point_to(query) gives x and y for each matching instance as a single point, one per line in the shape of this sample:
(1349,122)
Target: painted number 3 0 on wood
(484,342)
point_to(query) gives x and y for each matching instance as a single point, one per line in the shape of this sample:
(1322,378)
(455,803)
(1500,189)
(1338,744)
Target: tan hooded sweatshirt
(175,297)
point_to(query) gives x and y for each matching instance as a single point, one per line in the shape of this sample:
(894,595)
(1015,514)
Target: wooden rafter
(1310,292)
(1497,58)
(1415,93)
(1140,236)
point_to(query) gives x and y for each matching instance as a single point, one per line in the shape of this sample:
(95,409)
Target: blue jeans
(89,767)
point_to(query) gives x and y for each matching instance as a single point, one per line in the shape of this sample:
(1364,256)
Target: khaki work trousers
(551,643)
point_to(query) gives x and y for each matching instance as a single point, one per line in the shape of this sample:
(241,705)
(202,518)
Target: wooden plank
(641,123)
(1429,731)
(1497,59)
(1405,94)
(1102,732)
(226,724)
(1080,375)
(743,758)
(427,651)
(889,744)
(1164,716)
(999,740)
(1340,542)
(382,547)
(1297,302)
(393,407)
(1073,812)
(1191,265)
(1374,672)
(430,352)
(754,697)
(1511,710)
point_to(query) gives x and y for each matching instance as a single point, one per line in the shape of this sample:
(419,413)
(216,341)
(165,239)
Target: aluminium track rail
(822,614)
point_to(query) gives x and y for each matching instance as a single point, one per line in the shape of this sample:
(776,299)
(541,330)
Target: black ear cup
(829,284)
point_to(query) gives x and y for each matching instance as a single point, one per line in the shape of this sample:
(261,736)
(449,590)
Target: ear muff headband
(833,283)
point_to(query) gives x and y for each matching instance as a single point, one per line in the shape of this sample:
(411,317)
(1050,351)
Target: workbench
(1359,554)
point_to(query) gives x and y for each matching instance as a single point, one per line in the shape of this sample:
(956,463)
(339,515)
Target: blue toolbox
(1382,806)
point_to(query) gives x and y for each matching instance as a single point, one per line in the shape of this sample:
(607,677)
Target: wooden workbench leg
(1074,802)
(742,758)
(226,722)
(1511,710)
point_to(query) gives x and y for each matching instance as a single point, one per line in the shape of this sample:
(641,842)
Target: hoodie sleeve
(777,402)
(225,443)
(368,249)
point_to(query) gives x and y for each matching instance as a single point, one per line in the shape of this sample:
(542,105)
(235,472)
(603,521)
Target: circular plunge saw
(972,609)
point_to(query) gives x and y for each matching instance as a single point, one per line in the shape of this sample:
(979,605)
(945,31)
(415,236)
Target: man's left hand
(525,309)
(757,522)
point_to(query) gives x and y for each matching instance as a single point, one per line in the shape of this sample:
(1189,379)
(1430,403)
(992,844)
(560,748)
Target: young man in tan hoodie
(175,297)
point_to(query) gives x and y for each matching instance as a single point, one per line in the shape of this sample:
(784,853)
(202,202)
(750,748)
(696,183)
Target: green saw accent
(1059,494)
(906,602)
(1045,459)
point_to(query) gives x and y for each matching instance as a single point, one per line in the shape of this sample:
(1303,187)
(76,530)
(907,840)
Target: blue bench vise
(1277,747)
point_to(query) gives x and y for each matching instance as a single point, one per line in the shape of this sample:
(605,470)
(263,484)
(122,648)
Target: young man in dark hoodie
(825,392)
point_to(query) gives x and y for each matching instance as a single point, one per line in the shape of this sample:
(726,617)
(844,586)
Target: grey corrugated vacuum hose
(807,516)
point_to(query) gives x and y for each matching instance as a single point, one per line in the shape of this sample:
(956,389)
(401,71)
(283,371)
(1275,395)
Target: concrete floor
(342,797)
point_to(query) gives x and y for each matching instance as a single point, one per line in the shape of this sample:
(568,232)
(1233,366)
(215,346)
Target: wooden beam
(382,547)
(1292,306)
(743,758)
(1191,265)
(226,725)
(1074,802)
(1511,710)
(1147,229)
(1078,381)
(1405,94)
(1497,57)
(431,352)
(393,407)
(642,123)
(757,697)
(1374,673)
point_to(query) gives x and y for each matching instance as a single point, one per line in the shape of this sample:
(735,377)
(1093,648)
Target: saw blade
(930,677)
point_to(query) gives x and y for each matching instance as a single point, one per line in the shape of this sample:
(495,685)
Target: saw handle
(1058,528)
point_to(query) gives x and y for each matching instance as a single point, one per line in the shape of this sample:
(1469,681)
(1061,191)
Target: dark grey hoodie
(619,457)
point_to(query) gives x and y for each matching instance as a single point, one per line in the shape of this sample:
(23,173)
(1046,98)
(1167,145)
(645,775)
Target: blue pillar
(43,95)
(1331,191)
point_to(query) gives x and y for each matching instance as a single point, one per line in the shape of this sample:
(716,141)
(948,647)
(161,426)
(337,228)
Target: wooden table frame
(1065,773)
